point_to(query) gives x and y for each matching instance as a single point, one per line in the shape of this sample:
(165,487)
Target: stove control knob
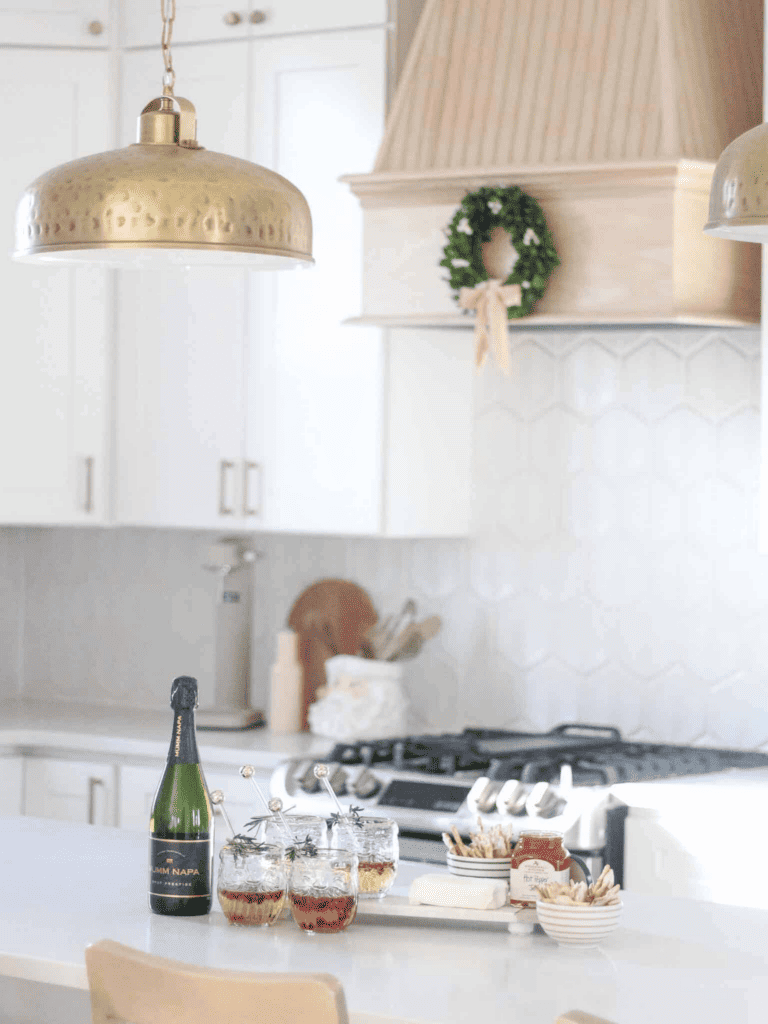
(543,801)
(365,785)
(511,798)
(481,798)
(306,778)
(338,780)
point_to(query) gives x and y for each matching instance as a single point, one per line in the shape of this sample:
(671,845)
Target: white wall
(613,575)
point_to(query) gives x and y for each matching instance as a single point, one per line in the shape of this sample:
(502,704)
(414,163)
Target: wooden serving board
(330,617)
(519,921)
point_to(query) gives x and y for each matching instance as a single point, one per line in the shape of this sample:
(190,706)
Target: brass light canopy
(738,198)
(164,200)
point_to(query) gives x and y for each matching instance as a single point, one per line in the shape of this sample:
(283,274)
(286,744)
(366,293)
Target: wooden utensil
(410,641)
(330,617)
(401,622)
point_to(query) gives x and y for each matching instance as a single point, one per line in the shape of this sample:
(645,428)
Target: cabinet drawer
(81,791)
(211,20)
(139,783)
(53,23)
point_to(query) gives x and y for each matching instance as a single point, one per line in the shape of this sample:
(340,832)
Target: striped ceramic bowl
(578,925)
(479,867)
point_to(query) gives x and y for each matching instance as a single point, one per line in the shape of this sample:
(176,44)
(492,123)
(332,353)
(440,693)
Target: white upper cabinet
(209,20)
(55,23)
(243,399)
(53,355)
(180,360)
(357,434)
(316,393)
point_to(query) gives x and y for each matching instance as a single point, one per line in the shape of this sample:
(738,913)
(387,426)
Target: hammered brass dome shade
(738,199)
(164,201)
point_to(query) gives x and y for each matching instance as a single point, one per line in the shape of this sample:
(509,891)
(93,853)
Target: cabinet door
(209,20)
(55,23)
(179,360)
(314,411)
(81,791)
(139,783)
(52,360)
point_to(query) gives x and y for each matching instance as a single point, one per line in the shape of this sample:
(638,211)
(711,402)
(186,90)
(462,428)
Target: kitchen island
(67,885)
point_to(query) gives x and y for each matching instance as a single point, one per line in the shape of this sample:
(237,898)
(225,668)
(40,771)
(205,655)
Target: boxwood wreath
(522,218)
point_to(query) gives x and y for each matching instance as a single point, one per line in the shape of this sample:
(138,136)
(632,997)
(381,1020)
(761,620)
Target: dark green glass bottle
(181,826)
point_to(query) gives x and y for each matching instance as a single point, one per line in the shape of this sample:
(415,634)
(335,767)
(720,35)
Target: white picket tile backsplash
(612,575)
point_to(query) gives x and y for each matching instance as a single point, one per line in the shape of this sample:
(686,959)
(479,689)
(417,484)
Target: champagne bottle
(181,826)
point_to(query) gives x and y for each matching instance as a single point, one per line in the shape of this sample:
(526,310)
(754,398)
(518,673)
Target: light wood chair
(580,1017)
(131,986)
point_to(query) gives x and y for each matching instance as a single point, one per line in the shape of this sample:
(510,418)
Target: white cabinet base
(70,790)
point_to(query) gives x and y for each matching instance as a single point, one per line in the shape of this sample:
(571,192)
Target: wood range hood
(612,114)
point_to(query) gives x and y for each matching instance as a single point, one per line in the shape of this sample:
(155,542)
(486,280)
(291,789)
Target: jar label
(180,867)
(529,873)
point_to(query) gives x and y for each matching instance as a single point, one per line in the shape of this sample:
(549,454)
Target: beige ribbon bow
(490,300)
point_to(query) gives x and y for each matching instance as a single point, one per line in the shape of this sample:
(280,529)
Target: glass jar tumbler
(300,827)
(322,890)
(376,843)
(251,884)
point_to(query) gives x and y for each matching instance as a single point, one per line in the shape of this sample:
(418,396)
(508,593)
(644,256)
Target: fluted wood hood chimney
(611,113)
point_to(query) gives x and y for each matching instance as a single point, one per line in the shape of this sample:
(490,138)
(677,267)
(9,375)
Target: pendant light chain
(168,13)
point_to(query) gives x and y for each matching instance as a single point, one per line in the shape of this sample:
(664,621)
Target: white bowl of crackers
(486,855)
(578,915)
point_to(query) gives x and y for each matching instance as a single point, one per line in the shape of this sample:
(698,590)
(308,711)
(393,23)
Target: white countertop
(671,960)
(125,731)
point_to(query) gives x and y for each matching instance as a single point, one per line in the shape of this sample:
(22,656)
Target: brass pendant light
(164,200)
(738,198)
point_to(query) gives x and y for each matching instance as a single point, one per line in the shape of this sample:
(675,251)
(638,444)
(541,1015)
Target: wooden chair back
(131,986)
(580,1017)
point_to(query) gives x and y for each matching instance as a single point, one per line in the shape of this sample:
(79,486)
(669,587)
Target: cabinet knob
(257,17)
(95,28)
(232,18)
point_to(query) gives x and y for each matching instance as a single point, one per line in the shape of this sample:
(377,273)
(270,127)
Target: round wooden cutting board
(330,617)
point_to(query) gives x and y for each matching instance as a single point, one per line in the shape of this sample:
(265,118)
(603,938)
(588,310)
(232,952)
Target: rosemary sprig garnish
(241,845)
(353,818)
(305,849)
(255,822)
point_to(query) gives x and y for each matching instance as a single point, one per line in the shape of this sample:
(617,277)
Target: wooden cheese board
(393,907)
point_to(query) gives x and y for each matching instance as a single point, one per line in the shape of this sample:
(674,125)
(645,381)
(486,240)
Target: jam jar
(538,858)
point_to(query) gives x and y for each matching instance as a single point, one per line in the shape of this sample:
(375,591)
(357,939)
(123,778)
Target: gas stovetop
(595,755)
(560,780)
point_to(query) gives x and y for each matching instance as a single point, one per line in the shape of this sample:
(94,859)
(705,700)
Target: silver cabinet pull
(248,509)
(257,17)
(224,467)
(93,784)
(88,498)
(232,18)
(95,28)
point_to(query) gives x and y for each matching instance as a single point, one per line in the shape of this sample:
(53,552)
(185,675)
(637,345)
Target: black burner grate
(597,755)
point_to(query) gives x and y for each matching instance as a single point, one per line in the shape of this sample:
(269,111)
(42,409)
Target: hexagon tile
(612,575)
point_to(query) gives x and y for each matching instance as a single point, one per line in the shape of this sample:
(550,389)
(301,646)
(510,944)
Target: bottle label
(183,749)
(530,873)
(180,867)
